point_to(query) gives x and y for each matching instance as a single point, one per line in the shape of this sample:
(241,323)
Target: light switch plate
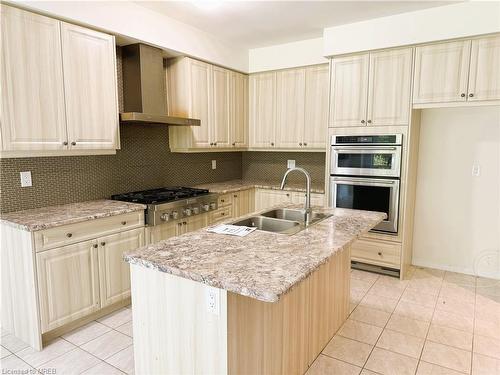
(290,164)
(476,170)
(214,164)
(26,179)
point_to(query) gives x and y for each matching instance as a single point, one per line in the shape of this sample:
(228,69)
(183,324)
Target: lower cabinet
(176,228)
(78,279)
(377,252)
(266,198)
(68,283)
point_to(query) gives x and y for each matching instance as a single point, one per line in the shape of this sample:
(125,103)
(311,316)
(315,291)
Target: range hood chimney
(143,88)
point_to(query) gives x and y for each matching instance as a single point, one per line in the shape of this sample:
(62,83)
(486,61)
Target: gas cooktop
(160,195)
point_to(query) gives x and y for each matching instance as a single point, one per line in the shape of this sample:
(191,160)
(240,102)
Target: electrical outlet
(213,300)
(476,170)
(290,164)
(214,164)
(26,179)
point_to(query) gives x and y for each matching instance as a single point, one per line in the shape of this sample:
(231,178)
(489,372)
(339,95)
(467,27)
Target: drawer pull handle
(69,235)
(103,243)
(73,143)
(379,253)
(235,196)
(184,223)
(222,200)
(222,213)
(124,222)
(95,246)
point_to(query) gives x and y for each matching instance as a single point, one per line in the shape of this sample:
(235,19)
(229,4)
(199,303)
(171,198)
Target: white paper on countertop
(233,230)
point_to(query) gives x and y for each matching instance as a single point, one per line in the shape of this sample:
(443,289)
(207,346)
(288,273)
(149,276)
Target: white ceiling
(253,24)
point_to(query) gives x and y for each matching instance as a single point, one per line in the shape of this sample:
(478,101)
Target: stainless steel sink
(269,224)
(294,215)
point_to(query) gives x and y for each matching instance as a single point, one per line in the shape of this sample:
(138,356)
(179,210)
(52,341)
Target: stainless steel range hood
(144,88)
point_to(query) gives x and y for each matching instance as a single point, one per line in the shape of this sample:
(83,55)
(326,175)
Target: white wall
(440,23)
(134,21)
(287,55)
(457,216)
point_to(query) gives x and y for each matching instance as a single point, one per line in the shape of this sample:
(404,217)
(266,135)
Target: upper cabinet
(371,89)
(63,96)
(457,71)
(216,96)
(289,109)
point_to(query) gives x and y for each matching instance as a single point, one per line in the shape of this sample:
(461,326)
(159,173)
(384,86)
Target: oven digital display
(372,161)
(359,197)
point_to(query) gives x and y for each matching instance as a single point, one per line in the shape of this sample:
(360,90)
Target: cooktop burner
(160,195)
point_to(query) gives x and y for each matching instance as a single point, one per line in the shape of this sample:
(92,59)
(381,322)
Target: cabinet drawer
(377,252)
(225,199)
(67,234)
(220,214)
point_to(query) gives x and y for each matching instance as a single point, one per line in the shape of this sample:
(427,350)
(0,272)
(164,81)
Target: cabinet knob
(234,143)
(215,143)
(272,143)
(124,222)
(462,95)
(95,246)
(379,253)
(362,121)
(369,121)
(211,143)
(184,222)
(69,235)
(222,213)
(305,143)
(103,243)
(65,143)
(73,143)
(287,194)
(300,144)
(471,95)
(235,196)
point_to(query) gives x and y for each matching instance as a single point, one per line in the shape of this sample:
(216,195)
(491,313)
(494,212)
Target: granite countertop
(237,185)
(262,265)
(53,216)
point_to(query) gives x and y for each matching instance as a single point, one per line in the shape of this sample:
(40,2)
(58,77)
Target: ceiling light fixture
(207,4)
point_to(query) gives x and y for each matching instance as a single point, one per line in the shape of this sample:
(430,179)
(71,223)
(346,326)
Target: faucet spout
(307,206)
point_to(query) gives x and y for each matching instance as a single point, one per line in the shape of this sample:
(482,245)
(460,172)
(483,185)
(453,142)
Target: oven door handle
(365,180)
(364,149)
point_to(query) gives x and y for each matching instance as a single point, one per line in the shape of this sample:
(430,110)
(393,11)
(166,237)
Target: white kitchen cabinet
(484,76)
(68,283)
(349,88)
(290,102)
(243,202)
(371,89)
(216,96)
(266,198)
(389,87)
(239,110)
(441,72)
(33,114)
(176,228)
(317,86)
(263,110)
(317,199)
(63,96)
(114,272)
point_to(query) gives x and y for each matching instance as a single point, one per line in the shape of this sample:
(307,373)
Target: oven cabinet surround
(371,89)
(56,279)
(289,109)
(244,335)
(457,72)
(62,99)
(384,249)
(216,96)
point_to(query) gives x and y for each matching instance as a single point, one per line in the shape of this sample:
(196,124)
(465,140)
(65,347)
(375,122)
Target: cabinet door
(484,77)
(290,97)
(389,87)
(441,72)
(196,222)
(68,283)
(239,110)
(162,232)
(262,110)
(114,272)
(269,198)
(221,104)
(90,87)
(317,199)
(243,202)
(200,101)
(316,107)
(349,91)
(33,115)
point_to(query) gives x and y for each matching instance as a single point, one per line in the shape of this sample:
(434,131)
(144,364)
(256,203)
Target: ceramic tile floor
(434,323)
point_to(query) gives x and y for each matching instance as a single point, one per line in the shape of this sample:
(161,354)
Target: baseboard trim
(465,270)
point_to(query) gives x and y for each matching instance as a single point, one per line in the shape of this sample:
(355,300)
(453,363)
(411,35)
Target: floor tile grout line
(102,360)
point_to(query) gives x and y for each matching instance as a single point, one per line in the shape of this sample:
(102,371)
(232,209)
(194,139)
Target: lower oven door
(370,194)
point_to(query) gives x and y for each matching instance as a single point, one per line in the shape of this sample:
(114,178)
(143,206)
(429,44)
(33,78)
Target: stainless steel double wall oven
(365,174)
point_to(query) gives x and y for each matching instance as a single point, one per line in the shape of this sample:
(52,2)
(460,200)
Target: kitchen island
(266,303)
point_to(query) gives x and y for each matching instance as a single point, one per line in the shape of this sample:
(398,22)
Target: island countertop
(262,265)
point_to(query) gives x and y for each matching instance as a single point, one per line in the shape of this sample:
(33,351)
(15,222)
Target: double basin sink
(282,220)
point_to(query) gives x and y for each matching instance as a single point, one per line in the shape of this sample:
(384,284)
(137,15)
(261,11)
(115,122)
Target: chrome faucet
(307,207)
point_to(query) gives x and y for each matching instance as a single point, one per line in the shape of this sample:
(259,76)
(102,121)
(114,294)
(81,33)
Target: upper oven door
(381,161)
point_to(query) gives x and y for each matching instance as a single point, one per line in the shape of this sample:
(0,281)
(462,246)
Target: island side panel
(173,331)
(285,337)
